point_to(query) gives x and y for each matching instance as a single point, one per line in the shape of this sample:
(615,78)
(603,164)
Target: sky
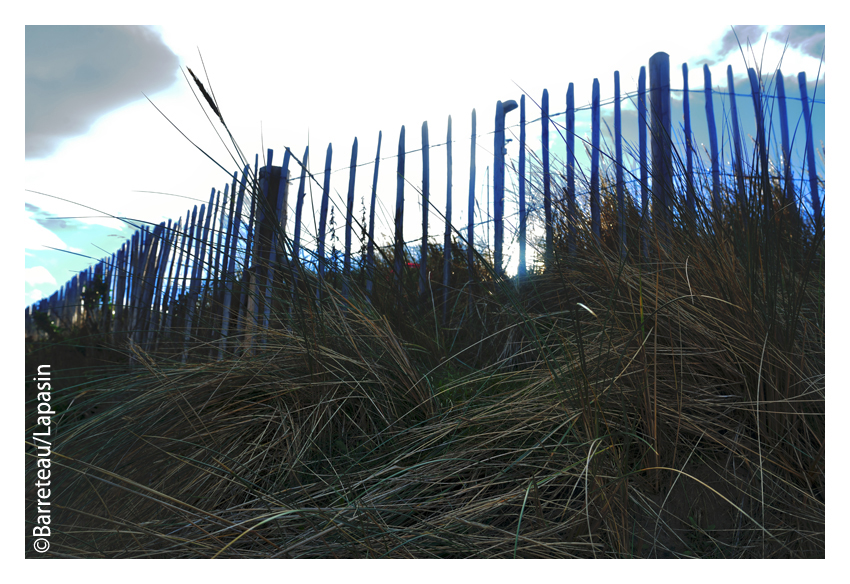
(102,104)
(286,74)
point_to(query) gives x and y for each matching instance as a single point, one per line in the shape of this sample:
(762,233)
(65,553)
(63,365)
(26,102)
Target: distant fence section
(207,278)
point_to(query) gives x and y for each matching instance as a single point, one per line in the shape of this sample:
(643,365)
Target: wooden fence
(229,255)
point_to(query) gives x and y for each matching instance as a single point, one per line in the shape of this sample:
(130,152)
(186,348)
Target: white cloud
(38,237)
(38,275)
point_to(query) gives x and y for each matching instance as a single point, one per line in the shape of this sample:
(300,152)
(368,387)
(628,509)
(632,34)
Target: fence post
(323,219)
(810,154)
(229,235)
(739,155)
(299,204)
(502,109)
(277,225)
(789,196)
(662,168)
(689,177)
(194,284)
(426,195)
(349,212)
(594,164)
(182,261)
(755,87)
(618,153)
(572,219)
(521,270)
(168,297)
(156,311)
(547,179)
(644,167)
(399,215)
(447,239)
(119,285)
(712,137)
(246,296)
(471,214)
(232,237)
(370,245)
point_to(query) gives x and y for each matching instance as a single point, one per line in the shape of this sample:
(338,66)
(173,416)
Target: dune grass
(663,406)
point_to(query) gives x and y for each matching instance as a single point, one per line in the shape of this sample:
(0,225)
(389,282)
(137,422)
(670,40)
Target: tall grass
(663,406)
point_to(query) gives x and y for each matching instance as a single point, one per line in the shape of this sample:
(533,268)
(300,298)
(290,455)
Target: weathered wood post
(119,286)
(194,285)
(164,255)
(349,218)
(399,217)
(217,265)
(662,146)
(521,270)
(470,241)
(426,195)
(712,137)
(755,87)
(447,237)
(594,164)
(644,167)
(547,180)
(788,194)
(229,234)
(739,154)
(370,245)
(618,153)
(499,182)
(689,177)
(183,255)
(810,154)
(278,228)
(323,219)
(572,218)
(167,296)
(246,309)
(232,238)
(299,205)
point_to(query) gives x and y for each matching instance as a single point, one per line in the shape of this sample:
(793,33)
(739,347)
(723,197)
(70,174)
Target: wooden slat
(349,219)
(498,187)
(470,240)
(399,215)
(789,196)
(195,283)
(689,149)
(594,163)
(761,141)
(299,205)
(739,154)
(370,245)
(644,167)
(547,179)
(447,237)
(571,174)
(810,153)
(175,284)
(278,233)
(233,238)
(323,218)
(426,195)
(618,153)
(662,145)
(521,269)
(712,137)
